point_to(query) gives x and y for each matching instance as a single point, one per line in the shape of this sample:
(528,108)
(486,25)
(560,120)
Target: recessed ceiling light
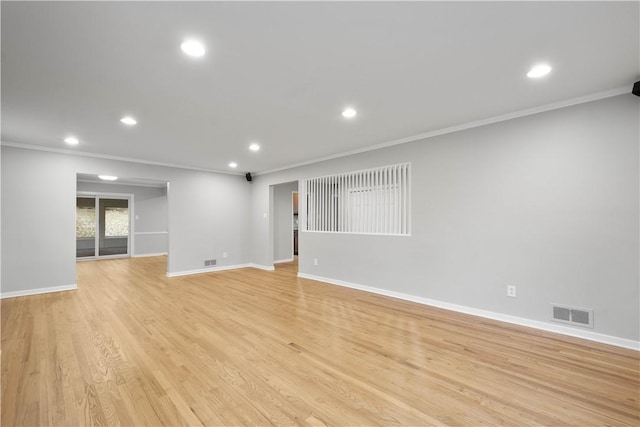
(538,71)
(71,140)
(254,147)
(108,177)
(128,120)
(233,165)
(193,48)
(349,113)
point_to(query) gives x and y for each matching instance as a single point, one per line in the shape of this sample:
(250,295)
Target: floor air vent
(573,315)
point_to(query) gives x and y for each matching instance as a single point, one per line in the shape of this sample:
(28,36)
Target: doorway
(294,199)
(103,226)
(284,225)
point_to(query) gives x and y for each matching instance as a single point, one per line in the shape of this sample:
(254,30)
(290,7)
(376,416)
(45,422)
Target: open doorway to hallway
(286,246)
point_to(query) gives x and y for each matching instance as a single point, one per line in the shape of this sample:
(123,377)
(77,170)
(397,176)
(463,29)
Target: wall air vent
(561,313)
(573,315)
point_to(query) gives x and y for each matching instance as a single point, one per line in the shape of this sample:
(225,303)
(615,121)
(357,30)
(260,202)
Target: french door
(103,226)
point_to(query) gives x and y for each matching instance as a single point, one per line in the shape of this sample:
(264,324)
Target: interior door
(85,227)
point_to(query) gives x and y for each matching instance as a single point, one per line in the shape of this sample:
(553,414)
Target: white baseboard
(220,268)
(549,327)
(38,291)
(207,270)
(149,255)
(262,267)
(280,261)
(149,233)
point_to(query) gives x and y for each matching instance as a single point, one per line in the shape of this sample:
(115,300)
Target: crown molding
(160,184)
(470,125)
(451,129)
(109,157)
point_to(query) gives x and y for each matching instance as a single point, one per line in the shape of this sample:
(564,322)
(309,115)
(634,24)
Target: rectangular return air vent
(573,315)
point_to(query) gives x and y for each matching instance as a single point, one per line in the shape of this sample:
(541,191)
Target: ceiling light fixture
(108,177)
(128,120)
(193,48)
(349,113)
(254,147)
(538,71)
(71,140)
(233,165)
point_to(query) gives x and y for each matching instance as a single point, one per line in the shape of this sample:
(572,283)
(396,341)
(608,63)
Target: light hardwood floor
(249,347)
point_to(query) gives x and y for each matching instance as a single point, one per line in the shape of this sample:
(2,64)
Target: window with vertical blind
(373,201)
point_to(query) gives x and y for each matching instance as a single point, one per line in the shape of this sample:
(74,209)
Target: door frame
(130,243)
(294,226)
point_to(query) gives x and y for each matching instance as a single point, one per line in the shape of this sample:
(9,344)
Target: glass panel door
(113,227)
(85,227)
(102,226)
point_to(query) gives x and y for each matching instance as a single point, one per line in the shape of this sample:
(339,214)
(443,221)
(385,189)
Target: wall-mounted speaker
(248,176)
(636,88)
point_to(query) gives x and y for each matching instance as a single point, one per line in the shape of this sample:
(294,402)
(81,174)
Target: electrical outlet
(511,291)
(224,254)
(315,261)
(207,263)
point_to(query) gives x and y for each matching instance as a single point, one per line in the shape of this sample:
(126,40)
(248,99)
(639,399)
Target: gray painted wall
(207,215)
(38,220)
(283,220)
(547,202)
(150,210)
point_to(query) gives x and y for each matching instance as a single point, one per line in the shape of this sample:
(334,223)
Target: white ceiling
(281,72)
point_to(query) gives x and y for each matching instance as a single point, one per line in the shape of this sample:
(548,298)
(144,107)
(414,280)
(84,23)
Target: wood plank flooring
(249,347)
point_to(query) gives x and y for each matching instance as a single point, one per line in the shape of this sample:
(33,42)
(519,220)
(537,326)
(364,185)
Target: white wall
(150,208)
(283,221)
(207,215)
(547,202)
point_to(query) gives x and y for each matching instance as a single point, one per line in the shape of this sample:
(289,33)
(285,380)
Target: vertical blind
(373,201)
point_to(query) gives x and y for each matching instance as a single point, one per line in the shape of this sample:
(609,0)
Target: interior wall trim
(521,113)
(206,270)
(470,125)
(149,255)
(219,268)
(263,267)
(38,291)
(125,184)
(144,233)
(110,157)
(548,327)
